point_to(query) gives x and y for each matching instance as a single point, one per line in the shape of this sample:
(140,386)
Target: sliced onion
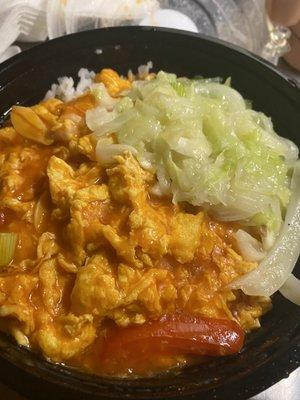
(106,153)
(291,289)
(97,117)
(224,213)
(249,247)
(8,242)
(102,96)
(276,268)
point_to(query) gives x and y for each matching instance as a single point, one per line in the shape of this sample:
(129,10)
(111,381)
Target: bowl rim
(71,377)
(20,57)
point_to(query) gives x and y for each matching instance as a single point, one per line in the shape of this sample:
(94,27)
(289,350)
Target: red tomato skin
(180,334)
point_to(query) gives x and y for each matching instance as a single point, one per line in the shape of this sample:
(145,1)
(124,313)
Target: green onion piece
(8,243)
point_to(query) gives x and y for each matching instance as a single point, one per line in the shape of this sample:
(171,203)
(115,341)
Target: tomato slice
(180,334)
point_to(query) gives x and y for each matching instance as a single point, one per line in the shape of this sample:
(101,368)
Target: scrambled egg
(94,245)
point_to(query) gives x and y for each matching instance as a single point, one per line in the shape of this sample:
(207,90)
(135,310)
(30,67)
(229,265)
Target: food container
(241,22)
(80,16)
(55,12)
(10,52)
(271,352)
(38,31)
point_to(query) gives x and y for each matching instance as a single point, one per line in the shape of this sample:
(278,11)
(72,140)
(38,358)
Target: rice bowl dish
(144,212)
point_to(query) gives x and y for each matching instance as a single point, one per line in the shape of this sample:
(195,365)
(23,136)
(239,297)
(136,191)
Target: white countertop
(287,389)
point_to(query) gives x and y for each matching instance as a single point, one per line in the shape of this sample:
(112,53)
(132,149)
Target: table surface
(287,389)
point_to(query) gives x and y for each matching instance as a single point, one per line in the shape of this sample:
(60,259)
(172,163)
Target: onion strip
(106,153)
(249,247)
(291,290)
(275,269)
(8,243)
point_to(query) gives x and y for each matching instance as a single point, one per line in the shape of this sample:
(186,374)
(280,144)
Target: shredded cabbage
(207,147)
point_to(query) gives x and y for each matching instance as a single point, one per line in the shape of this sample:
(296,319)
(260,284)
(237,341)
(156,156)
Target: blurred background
(268,28)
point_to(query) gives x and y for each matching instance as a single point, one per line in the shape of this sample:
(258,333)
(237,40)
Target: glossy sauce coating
(103,268)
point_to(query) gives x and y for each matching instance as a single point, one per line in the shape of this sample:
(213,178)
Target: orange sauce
(142,363)
(35,189)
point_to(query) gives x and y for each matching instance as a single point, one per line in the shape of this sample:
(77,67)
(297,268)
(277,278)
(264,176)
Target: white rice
(66,90)
(143,70)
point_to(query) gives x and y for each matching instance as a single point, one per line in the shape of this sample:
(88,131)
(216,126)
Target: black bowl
(271,352)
